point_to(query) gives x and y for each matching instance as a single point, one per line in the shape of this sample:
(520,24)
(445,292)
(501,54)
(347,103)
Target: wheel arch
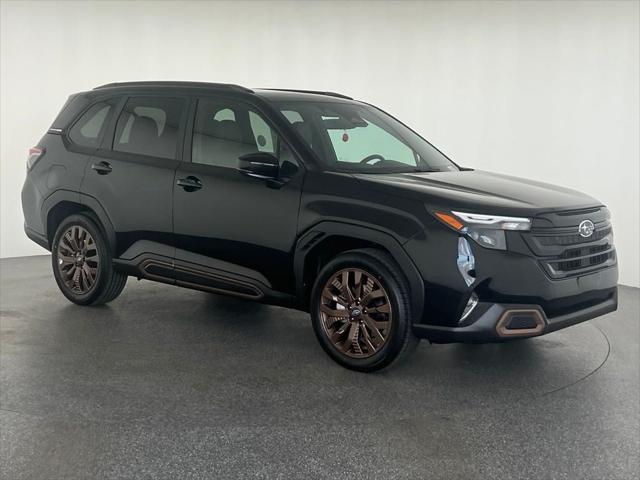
(327,239)
(63,203)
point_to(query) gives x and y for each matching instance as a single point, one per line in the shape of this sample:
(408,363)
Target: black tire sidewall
(398,295)
(103,252)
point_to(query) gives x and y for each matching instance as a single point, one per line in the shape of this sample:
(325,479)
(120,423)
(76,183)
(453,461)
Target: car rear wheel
(361,311)
(82,263)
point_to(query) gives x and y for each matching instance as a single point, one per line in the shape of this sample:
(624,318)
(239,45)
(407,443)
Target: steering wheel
(375,156)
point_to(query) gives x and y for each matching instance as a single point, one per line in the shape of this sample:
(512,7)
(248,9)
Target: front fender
(324,230)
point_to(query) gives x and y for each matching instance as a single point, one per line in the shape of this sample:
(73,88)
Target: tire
(82,262)
(387,291)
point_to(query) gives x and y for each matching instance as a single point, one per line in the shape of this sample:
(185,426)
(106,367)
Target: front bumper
(499,322)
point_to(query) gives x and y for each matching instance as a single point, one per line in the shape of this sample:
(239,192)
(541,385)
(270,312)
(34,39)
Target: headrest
(144,127)
(227,130)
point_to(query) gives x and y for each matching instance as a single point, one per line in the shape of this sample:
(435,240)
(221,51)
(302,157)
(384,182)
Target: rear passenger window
(149,126)
(86,131)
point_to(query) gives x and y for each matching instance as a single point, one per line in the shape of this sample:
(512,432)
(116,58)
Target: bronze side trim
(256,293)
(147,264)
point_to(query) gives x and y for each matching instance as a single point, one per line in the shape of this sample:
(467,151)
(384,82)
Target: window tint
(149,126)
(225,130)
(86,131)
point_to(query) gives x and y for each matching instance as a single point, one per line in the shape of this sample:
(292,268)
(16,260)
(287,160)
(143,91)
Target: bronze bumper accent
(506,326)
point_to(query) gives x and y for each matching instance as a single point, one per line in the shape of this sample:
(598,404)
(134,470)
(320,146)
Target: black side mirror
(259,165)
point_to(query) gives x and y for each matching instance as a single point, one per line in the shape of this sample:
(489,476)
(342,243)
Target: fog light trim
(502,327)
(471,305)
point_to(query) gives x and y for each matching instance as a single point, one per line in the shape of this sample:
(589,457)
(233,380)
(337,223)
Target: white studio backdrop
(543,90)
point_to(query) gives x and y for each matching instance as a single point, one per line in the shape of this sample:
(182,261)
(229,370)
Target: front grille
(573,239)
(562,252)
(581,252)
(585,260)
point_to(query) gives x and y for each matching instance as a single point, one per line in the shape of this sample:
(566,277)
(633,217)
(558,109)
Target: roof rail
(168,83)
(316,92)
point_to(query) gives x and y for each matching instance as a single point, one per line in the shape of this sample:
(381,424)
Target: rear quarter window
(86,131)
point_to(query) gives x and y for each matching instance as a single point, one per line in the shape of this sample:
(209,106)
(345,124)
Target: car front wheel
(361,311)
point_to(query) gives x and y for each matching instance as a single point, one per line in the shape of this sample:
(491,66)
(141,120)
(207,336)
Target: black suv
(315,201)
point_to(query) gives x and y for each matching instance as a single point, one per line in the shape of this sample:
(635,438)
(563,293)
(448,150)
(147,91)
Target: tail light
(35,154)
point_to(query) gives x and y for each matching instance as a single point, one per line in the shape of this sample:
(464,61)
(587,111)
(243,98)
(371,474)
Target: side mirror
(259,165)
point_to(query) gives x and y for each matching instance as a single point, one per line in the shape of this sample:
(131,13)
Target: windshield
(360,138)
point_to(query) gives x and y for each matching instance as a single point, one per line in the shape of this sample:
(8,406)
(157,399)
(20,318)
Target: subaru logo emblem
(586,228)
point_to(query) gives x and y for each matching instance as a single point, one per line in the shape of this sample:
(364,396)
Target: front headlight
(485,230)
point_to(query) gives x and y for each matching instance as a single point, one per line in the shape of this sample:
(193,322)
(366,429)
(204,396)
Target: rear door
(131,176)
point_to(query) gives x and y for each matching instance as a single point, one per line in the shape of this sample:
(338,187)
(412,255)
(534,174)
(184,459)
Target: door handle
(190,183)
(102,168)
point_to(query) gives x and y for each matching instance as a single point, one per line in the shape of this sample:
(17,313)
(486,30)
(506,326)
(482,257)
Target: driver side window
(225,130)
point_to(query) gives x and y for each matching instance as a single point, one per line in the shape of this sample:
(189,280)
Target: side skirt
(164,269)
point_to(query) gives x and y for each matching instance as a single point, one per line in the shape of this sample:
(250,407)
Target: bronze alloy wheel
(356,313)
(78,260)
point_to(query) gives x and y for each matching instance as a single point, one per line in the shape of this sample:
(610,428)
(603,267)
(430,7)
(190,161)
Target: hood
(478,191)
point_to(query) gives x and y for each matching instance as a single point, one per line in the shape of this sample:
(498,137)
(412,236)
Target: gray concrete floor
(171,383)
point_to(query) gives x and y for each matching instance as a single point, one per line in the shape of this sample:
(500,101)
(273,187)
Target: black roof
(268,93)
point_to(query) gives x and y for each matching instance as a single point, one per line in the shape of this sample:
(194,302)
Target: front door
(233,231)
